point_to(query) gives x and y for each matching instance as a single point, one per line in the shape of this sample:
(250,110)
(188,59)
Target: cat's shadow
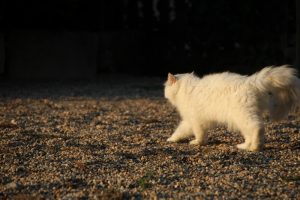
(210,142)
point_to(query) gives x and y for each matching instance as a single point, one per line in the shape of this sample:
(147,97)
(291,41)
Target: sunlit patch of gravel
(106,139)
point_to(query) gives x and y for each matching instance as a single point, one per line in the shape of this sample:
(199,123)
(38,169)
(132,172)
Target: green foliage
(144,181)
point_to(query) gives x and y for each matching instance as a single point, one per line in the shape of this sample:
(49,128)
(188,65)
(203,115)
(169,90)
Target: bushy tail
(279,88)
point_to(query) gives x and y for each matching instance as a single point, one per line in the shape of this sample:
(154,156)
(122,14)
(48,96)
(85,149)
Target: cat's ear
(171,79)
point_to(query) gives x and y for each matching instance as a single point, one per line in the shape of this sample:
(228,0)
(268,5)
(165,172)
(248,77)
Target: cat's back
(211,94)
(224,79)
(219,92)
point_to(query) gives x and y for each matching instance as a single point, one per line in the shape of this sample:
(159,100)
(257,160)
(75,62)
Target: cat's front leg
(183,131)
(200,136)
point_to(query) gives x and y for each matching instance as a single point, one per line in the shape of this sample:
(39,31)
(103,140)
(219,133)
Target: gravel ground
(106,139)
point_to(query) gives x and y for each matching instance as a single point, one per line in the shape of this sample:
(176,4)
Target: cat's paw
(256,147)
(198,142)
(195,142)
(248,147)
(243,146)
(171,139)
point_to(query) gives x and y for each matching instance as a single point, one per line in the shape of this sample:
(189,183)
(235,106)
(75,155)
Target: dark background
(82,38)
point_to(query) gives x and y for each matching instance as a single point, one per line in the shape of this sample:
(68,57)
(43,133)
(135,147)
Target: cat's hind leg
(253,132)
(183,131)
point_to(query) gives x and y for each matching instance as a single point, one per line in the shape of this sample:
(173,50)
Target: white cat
(233,100)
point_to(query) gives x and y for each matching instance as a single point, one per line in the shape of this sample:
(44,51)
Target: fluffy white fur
(233,100)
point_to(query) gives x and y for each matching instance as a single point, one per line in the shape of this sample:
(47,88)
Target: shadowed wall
(80,39)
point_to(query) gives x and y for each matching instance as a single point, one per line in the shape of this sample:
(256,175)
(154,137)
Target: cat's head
(174,83)
(171,87)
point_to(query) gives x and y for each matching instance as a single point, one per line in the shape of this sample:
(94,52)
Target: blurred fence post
(2,53)
(298,34)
